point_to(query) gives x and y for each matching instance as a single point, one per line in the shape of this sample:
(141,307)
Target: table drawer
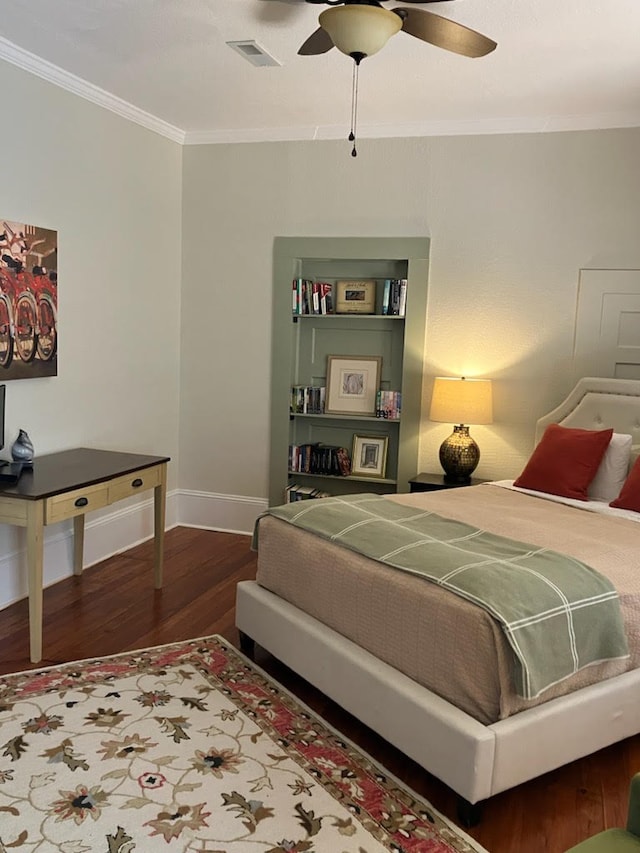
(70,504)
(132,484)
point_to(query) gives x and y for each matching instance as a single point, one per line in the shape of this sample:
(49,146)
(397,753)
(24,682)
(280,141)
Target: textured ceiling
(558,65)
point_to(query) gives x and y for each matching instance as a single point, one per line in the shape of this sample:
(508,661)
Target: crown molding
(258,134)
(76,85)
(480,127)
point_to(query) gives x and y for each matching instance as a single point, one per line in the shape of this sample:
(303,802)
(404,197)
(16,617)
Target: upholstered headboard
(599,403)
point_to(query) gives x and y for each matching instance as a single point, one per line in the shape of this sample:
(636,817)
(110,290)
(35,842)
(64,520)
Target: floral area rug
(190,747)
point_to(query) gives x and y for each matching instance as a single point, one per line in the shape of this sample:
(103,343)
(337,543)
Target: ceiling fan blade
(444,33)
(318,42)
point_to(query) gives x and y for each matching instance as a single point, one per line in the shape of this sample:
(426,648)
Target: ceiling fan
(360,28)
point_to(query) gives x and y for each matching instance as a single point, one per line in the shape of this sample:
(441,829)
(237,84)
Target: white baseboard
(113,532)
(230,513)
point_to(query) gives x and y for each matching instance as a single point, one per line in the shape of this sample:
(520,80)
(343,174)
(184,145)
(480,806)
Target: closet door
(607,332)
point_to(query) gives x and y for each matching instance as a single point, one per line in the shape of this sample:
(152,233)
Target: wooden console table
(70,484)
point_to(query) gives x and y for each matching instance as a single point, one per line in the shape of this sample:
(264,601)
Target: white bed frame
(475,760)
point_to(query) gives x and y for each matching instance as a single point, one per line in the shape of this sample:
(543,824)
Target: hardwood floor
(113,607)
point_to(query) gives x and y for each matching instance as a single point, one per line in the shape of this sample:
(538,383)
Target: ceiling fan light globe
(359,29)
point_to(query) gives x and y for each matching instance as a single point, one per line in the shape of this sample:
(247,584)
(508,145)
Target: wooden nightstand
(434,482)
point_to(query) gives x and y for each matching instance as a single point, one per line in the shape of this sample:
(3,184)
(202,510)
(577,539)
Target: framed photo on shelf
(352,384)
(356,297)
(369,456)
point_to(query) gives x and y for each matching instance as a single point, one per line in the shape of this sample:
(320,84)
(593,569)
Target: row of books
(394,296)
(295,492)
(316,297)
(389,405)
(307,400)
(327,459)
(311,297)
(310,399)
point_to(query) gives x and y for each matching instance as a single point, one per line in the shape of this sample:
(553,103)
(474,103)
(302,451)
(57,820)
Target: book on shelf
(344,461)
(296,492)
(394,297)
(307,400)
(326,298)
(386,292)
(402,299)
(389,405)
(311,297)
(323,459)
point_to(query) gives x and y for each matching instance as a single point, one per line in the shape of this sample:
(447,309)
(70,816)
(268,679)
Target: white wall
(512,219)
(112,190)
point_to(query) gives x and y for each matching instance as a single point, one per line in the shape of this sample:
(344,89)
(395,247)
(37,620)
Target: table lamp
(462,402)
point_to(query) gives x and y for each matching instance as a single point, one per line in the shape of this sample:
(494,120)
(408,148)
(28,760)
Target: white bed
(476,760)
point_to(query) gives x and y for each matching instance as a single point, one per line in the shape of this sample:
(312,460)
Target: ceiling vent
(253,52)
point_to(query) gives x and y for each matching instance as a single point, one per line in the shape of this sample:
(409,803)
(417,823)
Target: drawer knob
(136,483)
(82,502)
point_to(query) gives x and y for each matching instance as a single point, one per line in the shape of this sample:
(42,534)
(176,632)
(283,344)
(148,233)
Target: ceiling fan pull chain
(354,106)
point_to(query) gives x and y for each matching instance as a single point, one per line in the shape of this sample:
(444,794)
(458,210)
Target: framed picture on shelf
(352,384)
(369,456)
(356,297)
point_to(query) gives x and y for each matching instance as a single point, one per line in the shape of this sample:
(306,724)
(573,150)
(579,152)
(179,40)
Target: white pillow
(613,469)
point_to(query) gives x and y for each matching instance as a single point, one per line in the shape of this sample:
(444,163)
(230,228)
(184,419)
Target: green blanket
(558,614)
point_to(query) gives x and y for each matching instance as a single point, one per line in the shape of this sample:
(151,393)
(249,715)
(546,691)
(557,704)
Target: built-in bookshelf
(335,301)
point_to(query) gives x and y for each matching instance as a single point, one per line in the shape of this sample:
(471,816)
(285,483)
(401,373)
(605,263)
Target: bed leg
(469,814)
(247,645)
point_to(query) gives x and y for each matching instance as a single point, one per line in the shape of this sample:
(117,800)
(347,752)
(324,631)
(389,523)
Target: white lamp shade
(359,29)
(461,401)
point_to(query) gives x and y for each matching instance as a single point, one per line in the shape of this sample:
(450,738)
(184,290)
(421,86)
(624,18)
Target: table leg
(78,543)
(159,509)
(35,536)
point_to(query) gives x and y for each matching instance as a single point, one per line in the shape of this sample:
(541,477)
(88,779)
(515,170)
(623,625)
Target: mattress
(442,641)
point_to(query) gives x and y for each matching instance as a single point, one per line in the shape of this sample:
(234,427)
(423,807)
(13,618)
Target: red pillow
(629,497)
(565,461)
